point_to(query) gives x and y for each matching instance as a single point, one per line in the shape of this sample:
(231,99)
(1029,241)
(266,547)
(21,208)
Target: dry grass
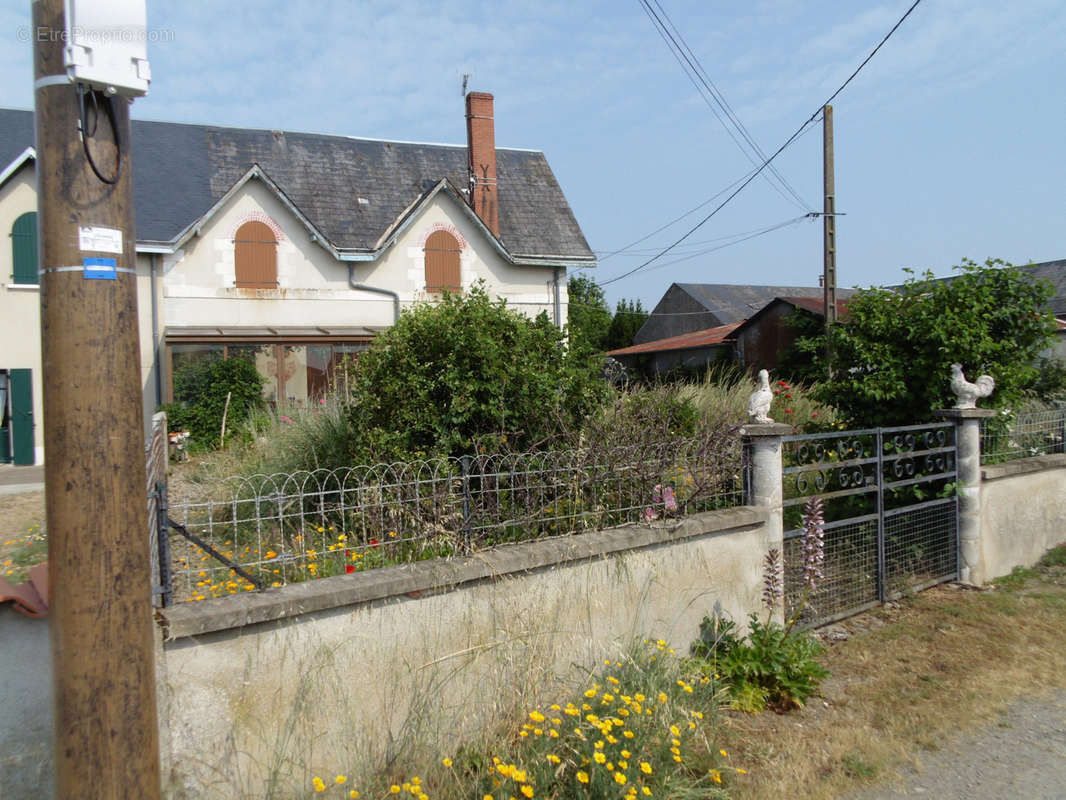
(908,677)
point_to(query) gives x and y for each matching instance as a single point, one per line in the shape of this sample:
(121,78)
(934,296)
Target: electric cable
(810,121)
(697,75)
(87,131)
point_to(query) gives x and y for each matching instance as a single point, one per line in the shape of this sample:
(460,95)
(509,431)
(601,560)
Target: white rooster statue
(966,392)
(760,400)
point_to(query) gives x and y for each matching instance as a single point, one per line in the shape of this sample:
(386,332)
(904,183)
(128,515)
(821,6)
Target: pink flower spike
(669,500)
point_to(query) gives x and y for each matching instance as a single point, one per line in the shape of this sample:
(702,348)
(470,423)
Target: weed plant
(773,665)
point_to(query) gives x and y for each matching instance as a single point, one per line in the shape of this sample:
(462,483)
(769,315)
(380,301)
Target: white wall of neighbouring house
(20,304)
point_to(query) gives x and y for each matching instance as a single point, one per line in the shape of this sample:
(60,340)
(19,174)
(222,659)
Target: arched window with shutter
(24,248)
(256,256)
(442,263)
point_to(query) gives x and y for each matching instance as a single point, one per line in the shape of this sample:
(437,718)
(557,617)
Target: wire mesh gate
(891,515)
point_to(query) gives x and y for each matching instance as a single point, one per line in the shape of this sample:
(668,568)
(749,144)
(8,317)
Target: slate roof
(736,302)
(816,305)
(180,171)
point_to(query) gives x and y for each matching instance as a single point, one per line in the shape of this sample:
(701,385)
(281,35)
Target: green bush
(892,352)
(469,374)
(204,387)
(773,665)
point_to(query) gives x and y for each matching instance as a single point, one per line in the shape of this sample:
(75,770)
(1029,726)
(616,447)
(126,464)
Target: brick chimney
(481,154)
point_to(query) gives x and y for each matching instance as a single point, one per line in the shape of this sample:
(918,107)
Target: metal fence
(292,527)
(1014,436)
(891,520)
(155,455)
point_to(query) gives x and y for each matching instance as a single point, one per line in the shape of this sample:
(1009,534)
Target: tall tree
(589,317)
(629,316)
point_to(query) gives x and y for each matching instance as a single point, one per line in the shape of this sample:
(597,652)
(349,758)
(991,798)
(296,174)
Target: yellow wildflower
(620,778)
(599,757)
(582,776)
(645,767)
(341,778)
(527,790)
(394,789)
(446,762)
(319,785)
(536,716)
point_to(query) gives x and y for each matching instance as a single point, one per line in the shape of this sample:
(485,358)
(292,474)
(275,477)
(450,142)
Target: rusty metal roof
(686,341)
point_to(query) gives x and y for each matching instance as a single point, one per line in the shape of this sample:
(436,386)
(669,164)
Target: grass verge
(905,679)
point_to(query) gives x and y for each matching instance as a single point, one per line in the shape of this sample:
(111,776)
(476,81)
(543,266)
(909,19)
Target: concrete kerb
(226,613)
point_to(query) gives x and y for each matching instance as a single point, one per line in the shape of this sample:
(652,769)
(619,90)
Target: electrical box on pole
(105,46)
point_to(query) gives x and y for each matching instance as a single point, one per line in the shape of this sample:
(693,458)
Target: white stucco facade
(20,303)
(188,293)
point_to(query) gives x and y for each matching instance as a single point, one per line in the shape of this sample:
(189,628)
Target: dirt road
(1021,755)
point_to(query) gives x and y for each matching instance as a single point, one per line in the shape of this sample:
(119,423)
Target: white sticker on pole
(100,240)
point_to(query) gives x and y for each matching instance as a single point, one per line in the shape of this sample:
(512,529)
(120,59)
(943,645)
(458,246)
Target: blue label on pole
(100,269)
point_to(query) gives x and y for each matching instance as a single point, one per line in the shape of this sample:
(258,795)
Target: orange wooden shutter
(442,263)
(256,256)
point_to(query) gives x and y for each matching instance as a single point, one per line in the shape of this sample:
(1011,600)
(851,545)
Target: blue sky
(948,144)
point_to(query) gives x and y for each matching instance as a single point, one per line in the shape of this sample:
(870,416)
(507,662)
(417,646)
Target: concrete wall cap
(1023,466)
(756,429)
(966,413)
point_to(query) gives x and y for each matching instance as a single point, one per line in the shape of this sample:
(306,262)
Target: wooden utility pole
(106,736)
(829,238)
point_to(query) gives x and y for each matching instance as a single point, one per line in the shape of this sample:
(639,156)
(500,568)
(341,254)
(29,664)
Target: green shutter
(24,248)
(22,424)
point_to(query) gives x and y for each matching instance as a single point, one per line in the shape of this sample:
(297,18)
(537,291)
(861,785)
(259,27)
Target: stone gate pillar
(968,466)
(762,483)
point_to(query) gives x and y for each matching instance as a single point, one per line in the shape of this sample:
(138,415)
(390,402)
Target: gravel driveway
(1022,756)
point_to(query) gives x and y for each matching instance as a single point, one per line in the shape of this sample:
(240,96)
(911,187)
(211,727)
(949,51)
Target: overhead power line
(810,121)
(629,247)
(715,100)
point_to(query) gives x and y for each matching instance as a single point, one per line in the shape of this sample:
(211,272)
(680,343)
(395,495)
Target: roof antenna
(466,78)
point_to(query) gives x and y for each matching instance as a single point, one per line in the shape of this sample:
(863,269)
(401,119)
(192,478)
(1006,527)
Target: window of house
(24,248)
(442,263)
(293,372)
(256,256)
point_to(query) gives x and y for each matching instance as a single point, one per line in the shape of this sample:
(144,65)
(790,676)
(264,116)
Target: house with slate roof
(291,249)
(690,307)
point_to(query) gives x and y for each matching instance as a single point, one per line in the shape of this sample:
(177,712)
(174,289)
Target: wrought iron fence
(292,527)
(1012,436)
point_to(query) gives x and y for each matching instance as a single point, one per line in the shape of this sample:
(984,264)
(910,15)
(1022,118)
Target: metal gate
(891,516)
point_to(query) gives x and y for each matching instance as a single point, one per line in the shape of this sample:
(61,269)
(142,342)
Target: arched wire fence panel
(285,528)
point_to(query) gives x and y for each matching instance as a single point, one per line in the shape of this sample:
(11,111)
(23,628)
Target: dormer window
(442,263)
(256,256)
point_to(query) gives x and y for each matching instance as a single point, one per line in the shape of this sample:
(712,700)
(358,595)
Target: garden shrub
(469,374)
(892,352)
(201,389)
